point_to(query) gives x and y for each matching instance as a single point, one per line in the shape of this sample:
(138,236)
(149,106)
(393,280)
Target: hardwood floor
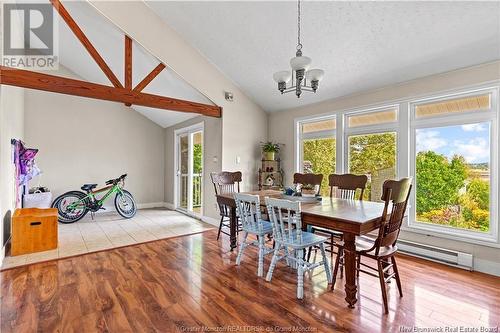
(186,283)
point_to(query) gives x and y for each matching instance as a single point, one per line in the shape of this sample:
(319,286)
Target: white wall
(281,129)
(212,148)
(244,124)
(83,140)
(11,127)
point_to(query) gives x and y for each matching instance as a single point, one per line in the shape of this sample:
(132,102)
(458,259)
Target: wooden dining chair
(226,182)
(308,178)
(343,186)
(288,235)
(248,207)
(383,248)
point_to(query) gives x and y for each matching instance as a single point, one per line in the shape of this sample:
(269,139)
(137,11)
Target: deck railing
(197,185)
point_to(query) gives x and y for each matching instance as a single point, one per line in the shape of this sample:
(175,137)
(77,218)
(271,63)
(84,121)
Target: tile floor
(110,230)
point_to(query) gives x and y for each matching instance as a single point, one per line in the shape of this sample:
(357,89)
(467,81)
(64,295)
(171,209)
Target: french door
(189,169)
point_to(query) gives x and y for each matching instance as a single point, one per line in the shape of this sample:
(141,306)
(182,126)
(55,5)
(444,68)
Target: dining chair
(226,182)
(288,235)
(248,207)
(343,186)
(383,248)
(308,178)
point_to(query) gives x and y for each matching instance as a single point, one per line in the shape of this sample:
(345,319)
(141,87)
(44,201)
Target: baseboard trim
(487,266)
(210,220)
(169,205)
(151,205)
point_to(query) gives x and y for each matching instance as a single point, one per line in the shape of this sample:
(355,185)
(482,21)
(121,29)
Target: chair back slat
(286,219)
(345,186)
(397,193)
(225,182)
(248,207)
(308,178)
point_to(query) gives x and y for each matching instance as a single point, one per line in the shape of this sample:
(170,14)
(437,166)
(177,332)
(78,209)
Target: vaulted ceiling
(109,41)
(360,45)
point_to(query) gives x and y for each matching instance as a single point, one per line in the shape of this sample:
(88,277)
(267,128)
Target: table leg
(350,268)
(233,225)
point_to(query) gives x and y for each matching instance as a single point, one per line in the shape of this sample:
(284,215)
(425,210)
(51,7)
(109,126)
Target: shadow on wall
(6,227)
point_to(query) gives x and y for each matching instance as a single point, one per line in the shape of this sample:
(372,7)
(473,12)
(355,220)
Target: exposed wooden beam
(86,43)
(154,73)
(46,82)
(128,64)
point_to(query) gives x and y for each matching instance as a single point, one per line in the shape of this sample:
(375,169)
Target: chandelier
(300,74)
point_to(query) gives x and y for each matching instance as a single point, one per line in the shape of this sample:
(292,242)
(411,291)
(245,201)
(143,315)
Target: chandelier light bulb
(315,74)
(282,76)
(300,62)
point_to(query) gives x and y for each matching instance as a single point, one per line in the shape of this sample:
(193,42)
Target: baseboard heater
(445,256)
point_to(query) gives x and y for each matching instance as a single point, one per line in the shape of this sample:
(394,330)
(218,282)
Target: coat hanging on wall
(25,167)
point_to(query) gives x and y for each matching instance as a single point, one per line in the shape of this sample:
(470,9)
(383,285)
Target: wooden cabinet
(34,230)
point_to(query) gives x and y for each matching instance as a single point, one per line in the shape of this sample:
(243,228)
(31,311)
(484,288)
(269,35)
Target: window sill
(489,240)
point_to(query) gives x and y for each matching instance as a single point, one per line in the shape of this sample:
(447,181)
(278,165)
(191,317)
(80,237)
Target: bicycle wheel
(67,211)
(125,204)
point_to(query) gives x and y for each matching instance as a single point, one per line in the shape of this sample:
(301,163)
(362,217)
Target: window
(453,164)
(447,144)
(456,105)
(371,148)
(317,148)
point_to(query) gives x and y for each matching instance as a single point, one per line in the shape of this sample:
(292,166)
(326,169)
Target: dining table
(351,217)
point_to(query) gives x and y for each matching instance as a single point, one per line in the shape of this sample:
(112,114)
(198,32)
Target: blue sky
(472,141)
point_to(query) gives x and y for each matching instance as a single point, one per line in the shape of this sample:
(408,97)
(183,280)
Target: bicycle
(74,205)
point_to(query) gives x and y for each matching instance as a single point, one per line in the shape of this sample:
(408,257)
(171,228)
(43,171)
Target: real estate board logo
(29,36)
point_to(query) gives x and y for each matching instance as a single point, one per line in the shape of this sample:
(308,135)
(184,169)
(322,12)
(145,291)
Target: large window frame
(405,128)
(300,137)
(371,129)
(463,118)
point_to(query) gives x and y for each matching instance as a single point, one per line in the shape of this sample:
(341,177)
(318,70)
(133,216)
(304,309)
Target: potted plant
(270,149)
(308,190)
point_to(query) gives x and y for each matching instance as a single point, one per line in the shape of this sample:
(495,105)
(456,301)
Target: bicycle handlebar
(117,180)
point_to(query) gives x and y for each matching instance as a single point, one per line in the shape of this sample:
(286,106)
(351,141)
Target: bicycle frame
(82,203)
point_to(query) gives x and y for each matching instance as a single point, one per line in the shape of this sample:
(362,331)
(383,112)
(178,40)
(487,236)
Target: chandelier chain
(299,45)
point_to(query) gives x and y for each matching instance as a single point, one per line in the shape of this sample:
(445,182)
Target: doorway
(189,170)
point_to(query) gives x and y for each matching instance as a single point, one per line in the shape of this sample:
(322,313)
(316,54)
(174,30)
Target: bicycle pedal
(103,208)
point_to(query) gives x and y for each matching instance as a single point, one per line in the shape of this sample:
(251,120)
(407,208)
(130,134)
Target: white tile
(14,261)
(110,230)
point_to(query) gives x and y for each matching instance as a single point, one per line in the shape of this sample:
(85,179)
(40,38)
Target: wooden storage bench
(34,230)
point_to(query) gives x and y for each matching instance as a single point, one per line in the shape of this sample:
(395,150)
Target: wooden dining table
(351,217)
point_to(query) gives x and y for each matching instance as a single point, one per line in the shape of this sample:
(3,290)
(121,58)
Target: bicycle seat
(88,187)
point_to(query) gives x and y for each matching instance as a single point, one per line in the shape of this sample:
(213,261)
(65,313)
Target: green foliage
(479,191)
(444,197)
(197,158)
(321,154)
(438,180)
(371,152)
(270,147)
(475,204)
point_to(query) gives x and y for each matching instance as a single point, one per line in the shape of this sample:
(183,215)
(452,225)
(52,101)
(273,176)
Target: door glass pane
(197,171)
(453,176)
(184,168)
(373,155)
(319,157)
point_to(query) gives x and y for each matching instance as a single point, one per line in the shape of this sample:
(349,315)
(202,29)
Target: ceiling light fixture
(300,74)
